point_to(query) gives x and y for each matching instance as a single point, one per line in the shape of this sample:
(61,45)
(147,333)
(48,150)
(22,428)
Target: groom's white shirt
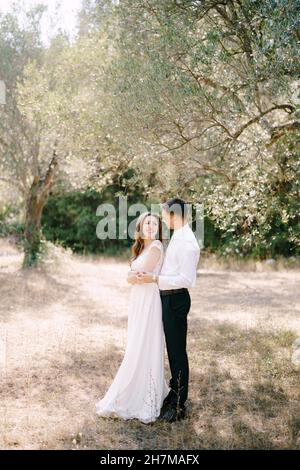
(179,268)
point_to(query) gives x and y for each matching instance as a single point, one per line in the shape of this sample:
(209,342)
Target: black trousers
(175,308)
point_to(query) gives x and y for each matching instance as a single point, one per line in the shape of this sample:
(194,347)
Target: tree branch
(286,107)
(280,131)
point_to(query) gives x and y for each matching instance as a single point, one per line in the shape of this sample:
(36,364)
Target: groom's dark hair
(176,206)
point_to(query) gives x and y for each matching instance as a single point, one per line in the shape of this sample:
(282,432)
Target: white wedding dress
(139,387)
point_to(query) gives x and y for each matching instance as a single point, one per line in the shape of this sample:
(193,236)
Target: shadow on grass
(43,295)
(20,290)
(243,394)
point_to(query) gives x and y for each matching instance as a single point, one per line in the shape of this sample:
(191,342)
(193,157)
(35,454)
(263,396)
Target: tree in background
(18,45)
(69,139)
(196,98)
(212,90)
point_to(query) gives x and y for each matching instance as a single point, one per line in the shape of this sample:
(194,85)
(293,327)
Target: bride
(139,387)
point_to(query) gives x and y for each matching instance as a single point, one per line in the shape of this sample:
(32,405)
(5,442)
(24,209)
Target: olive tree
(209,90)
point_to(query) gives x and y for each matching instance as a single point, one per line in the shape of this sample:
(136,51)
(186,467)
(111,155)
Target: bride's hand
(139,279)
(136,277)
(144,277)
(132,277)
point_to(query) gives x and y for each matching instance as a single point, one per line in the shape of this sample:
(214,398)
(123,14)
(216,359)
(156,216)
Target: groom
(178,273)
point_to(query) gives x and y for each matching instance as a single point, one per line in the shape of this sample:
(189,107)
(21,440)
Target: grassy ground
(63,335)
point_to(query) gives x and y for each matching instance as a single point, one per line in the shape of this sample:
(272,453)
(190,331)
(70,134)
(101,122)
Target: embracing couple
(159,304)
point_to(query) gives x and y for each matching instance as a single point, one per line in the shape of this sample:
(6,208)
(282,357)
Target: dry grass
(62,338)
(213,261)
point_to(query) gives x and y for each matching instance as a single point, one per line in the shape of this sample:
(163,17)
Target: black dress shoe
(163,409)
(172,414)
(165,405)
(167,401)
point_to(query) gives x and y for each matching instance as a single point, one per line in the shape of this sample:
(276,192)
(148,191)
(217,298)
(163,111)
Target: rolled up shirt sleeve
(188,257)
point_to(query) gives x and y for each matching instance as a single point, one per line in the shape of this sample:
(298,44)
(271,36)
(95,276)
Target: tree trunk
(38,196)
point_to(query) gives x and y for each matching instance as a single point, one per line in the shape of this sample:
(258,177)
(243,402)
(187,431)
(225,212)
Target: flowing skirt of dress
(139,387)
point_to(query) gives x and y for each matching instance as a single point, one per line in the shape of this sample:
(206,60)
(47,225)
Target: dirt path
(63,334)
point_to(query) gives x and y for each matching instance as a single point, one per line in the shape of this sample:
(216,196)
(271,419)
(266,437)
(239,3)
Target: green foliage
(215,93)
(20,41)
(262,219)
(33,250)
(195,99)
(70,218)
(9,222)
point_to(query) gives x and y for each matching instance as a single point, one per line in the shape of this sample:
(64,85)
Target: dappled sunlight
(63,337)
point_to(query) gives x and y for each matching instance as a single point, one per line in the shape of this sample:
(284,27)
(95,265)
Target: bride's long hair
(139,244)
